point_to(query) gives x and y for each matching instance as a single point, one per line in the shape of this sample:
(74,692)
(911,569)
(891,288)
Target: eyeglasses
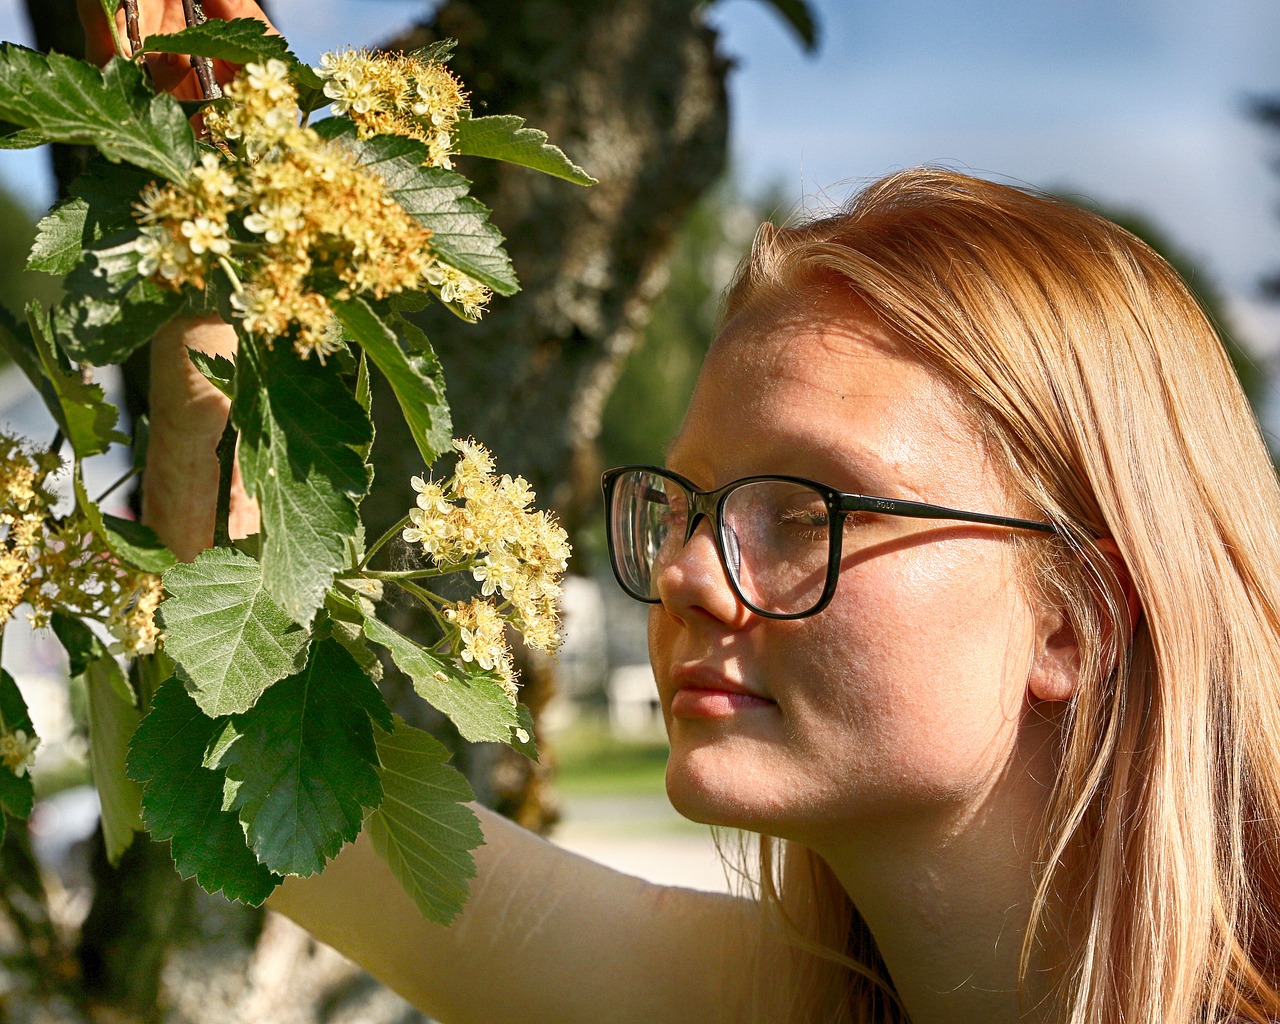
(779,538)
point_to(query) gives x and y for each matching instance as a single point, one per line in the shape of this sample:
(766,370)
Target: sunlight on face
(902,698)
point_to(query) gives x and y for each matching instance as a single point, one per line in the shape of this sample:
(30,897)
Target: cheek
(916,676)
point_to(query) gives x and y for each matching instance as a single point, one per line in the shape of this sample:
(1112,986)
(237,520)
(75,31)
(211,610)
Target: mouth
(704,693)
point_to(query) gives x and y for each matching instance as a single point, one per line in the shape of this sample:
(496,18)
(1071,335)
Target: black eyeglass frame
(710,505)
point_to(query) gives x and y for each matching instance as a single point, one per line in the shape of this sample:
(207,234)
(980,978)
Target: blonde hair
(1106,395)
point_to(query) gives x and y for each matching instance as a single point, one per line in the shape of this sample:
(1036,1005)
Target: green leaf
(798,15)
(415,379)
(16,794)
(476,704)
(346,625)
(112,723)
(131,542)
(113,110)
(529,745)
(237,41)
(99,203)
(182,800)
(504,137)
(136,544)
(300,434)
(14,136)
(113,719)
(304,768)
(110,308)
(424,830)
(82,411)
(217,370)
(229,641)
(461,233)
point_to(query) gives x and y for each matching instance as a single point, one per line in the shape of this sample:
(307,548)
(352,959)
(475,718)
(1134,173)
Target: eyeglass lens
(775,537)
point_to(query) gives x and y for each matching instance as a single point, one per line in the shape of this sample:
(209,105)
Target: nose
(695,580)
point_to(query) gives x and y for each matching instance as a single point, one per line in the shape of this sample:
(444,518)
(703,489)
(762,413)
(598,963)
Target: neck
(948,900)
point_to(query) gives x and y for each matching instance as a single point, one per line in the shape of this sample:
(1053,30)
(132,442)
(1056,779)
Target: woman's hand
(171,72)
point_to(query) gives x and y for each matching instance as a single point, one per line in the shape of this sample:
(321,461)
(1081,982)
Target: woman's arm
(547,936)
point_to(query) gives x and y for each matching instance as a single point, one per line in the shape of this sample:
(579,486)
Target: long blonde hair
(1107,397)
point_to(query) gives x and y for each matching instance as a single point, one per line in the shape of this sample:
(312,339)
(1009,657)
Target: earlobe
(1056,671)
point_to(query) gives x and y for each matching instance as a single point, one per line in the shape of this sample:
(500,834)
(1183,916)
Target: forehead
(829,392)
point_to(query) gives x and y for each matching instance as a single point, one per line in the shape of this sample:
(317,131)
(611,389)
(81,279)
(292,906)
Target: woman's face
(903,697)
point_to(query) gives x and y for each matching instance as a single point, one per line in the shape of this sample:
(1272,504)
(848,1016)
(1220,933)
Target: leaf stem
(117,485)
(422,594)
(117,44)
(381,541)
(226,464)
(417,574)
(229,269)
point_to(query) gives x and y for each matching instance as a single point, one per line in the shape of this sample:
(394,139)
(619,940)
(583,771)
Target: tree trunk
(634,91)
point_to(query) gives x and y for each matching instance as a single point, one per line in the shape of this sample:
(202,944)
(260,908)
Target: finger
(99,47)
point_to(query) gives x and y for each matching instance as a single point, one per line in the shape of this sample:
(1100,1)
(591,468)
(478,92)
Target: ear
(1056,672)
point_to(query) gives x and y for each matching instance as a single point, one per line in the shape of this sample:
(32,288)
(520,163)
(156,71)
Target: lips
(704,693)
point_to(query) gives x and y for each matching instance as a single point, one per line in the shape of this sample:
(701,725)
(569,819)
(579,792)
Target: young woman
(963,570)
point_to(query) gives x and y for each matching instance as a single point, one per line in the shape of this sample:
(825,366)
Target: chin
(721,787)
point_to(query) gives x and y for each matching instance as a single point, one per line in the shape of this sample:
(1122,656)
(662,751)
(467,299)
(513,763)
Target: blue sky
(1131,103)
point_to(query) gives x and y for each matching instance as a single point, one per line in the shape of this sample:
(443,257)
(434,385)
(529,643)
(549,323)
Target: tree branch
(209,88)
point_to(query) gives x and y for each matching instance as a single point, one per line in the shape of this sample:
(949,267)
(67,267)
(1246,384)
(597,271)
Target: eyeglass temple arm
(920,510)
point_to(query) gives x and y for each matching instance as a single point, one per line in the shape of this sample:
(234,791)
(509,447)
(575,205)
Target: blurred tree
(634,90)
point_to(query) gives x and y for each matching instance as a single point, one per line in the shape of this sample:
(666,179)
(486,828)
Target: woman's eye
(809,522)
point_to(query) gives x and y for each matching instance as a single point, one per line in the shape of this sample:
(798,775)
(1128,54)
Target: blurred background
(701,119)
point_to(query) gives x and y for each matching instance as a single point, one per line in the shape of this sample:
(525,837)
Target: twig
(131,26)
(209,88)
(135,37)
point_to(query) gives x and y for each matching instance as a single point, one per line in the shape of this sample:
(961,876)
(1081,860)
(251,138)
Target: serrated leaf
(182,800)
(476,704)
(110,308)
(99,203)
(424,830)
(305,764)
(300,434)
(113,110)
(82,411)
(504,137)
(239,41)
(16,793)
(228,640)
(415,379)
(236,41)
(462,235)
(13,136)
(217,370)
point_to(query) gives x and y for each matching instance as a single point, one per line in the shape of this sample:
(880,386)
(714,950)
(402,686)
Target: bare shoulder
(547,936)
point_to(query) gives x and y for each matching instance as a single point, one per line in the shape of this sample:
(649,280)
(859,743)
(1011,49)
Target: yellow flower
(396,94)
(18,751)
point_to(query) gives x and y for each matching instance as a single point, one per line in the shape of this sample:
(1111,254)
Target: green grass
(592,761)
